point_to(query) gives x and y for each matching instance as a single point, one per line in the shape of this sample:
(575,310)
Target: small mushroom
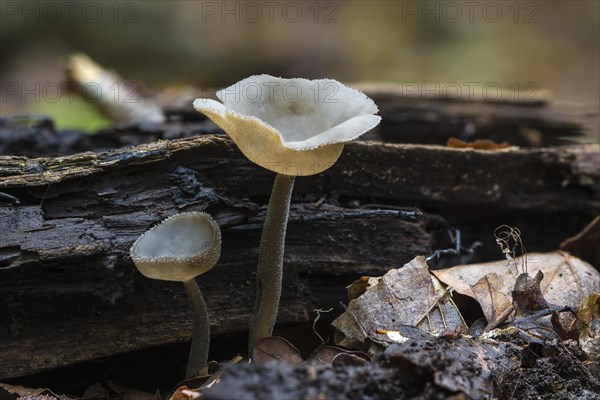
(180,248)
(294,127)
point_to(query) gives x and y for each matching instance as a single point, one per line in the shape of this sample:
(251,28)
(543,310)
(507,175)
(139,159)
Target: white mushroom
(180,248)
(294,127)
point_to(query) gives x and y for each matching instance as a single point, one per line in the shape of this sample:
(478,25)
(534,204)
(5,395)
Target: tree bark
(69,292)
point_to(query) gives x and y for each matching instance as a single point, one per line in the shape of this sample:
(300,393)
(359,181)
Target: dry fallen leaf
(325,355)
(359,286)
(23,393)
(494,303)
(589,315)
(347,359)
(409,296)
(275,348)
(567,280)
(527,294)
(531,310)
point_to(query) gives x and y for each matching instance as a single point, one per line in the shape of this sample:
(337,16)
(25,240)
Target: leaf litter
(566,281)
(404,298)
(420,347)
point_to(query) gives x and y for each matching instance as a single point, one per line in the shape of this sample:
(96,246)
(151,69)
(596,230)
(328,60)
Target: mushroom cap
(180,248)
(293,127)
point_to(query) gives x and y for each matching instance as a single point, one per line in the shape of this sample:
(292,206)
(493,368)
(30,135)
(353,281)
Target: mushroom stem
(270,261)
(201,336)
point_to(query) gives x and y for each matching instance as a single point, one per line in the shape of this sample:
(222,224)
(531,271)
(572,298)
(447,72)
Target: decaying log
(562,178)
(69,292)
(432,113)
(85,301)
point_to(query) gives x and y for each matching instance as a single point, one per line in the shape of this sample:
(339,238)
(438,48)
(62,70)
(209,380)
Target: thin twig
(314,328)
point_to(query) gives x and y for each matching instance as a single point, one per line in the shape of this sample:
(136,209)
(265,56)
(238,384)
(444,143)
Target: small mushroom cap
(291,126)
(180,248)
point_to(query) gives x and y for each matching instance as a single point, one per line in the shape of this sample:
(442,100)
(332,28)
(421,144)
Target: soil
(445,368)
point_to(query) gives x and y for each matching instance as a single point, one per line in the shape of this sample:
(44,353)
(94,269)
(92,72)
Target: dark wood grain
(68,290)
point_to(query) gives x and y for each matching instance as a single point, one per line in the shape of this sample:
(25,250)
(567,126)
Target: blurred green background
(554,44)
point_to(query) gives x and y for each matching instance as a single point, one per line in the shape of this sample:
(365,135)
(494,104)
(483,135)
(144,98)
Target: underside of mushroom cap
(180,248)
(262,144)
(291,126)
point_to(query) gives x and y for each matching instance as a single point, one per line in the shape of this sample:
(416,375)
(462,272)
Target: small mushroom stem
(270,261)
(201,336)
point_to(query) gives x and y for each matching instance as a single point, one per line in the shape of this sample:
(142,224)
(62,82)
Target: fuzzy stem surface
(270,261)
(201,336)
